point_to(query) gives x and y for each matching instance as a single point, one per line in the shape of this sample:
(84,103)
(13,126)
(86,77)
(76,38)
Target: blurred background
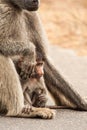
(65,22)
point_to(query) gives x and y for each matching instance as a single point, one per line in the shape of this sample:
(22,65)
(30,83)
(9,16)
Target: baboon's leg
(11,95)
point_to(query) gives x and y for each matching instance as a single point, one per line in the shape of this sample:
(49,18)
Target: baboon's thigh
(11,95)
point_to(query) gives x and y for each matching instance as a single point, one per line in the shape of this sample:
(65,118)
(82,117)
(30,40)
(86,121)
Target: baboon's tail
(61,90)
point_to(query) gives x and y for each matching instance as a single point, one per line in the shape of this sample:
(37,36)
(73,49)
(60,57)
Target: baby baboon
(33,86)
(34,89)
(35,93)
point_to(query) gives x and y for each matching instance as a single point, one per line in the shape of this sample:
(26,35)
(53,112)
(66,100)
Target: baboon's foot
(44,113)
(33,112)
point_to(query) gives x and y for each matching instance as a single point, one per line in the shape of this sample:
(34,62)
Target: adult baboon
(14,41)
(21,34)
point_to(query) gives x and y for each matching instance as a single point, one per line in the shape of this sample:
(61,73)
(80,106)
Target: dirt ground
(65,22)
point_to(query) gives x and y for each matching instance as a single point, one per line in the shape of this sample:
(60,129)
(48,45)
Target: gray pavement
(74,70)
(65,120)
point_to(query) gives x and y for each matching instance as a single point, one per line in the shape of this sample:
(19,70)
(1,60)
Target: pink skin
(39,69)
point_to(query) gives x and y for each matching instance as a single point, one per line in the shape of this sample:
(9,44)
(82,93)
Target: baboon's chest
(19,30)
(23,29)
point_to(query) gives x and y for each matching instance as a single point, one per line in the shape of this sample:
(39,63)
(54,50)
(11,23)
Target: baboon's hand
(26,71)
(27,109)
(26,68)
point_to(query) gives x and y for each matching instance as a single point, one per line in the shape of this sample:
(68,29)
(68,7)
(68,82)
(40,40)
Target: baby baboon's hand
(39,98)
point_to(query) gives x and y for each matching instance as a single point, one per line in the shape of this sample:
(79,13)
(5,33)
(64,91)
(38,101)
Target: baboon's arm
(11,48)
